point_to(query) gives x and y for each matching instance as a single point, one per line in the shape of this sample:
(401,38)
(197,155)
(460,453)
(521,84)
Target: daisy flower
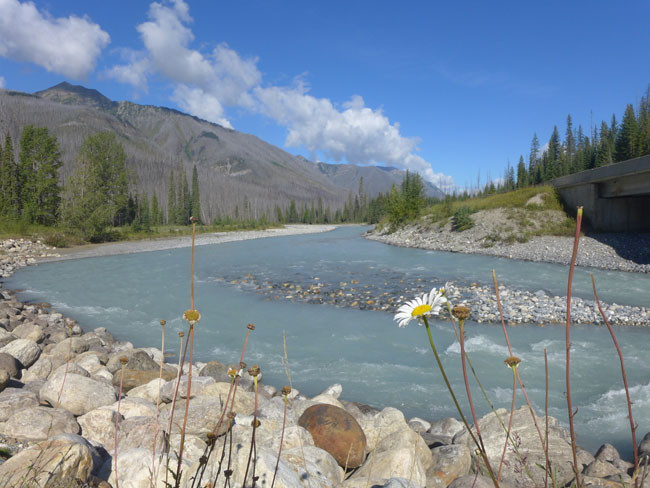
(428,304)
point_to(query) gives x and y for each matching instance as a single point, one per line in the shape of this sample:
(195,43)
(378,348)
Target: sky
(451,90)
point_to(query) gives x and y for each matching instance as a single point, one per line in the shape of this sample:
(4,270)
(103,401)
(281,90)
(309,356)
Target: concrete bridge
(616,197)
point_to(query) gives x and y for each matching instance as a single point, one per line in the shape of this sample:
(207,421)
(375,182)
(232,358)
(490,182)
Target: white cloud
(2,82)
(204,105)
(206,84)
(66,45)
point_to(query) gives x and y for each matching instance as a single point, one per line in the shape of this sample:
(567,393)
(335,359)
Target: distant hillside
(235,169)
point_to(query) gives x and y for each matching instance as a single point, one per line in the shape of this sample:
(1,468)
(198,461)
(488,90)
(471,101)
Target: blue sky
(446,89)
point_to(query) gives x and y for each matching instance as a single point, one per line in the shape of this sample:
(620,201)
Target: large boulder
(244,400)
(80,394)
(25,351)
(13,400)
(56,464)
(136,377)
(449,463)
(29,330)
(529,451)
(39,423)
(10,364)
(148,391)
(337,432)
(203,415)
(98,426)
(199,383)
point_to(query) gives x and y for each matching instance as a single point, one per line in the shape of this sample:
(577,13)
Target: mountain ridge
(237,171)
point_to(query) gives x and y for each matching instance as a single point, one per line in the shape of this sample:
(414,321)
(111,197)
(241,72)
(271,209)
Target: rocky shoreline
(618,252)
(59,408)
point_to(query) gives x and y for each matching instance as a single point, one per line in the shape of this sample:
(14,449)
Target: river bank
(414,452)
(619,252)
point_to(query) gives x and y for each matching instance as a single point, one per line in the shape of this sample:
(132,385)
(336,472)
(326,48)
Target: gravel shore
(620,252)
(114,248)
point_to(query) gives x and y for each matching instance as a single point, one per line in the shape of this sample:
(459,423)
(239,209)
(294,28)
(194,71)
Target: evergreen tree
(569,144)
(604,154)
(156,212)
(38,176)
(626,139)
(196,197)
(552,163)
(9,200)
(292,213)
(187,201)
(643,138)
(98,188)
(171,200)
(533,157)
(522,175)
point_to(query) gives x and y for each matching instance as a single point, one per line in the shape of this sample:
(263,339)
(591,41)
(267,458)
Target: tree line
(576,150)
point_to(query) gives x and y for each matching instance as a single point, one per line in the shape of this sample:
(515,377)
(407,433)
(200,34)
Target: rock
(148,391)
(13,400)
(474,481)
(98,426)
(398,483)
(219,372)
(418,425)
(446,428)
(39,423)
(449,463)
(337,432)
(134,377)
(334,391)
(141,361)
(69,347)
(529,446)
(29,331)
(644,447)
(4,379)
(80,394)
(133,407)
(40,370)
(55,463)
(381,425)
(10,364)
(244,400)
(608,453)
(323,460)
(139,432)
(198,385)
(133,469)
(203,414)
(193,450)
(67,369)
(24,350)
(601,469)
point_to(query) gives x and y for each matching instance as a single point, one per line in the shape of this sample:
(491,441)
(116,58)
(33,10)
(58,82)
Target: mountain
(238,172)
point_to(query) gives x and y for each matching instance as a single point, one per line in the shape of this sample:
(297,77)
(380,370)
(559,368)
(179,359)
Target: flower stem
(453,397)
(512,412)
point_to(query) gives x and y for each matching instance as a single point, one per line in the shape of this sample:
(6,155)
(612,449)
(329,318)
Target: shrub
(462,219)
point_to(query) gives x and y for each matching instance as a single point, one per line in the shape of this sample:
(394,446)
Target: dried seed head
(181,334)
(461,312)
(194,220)
(250,326)
(203,460)
(124,360)
(163,322)
(210,436)
(512,361)
(254,370)
(286,390)
(232,372)
(231,415)
(256,423)
(227,473)
(242,365)
(192,316)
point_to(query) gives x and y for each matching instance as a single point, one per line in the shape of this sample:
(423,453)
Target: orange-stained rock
(337,432)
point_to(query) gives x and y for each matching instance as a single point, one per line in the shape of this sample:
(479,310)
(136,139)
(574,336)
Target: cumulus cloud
(2,82)
(205,84)
(66,45)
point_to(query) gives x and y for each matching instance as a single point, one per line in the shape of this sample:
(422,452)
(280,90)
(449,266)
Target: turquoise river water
(376,362)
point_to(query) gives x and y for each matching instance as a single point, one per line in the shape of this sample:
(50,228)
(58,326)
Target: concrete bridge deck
(616,197)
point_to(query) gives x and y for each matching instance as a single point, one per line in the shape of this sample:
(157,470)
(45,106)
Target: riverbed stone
(244,400)
(337,432)
(15,399)
(203,415)
(134,377)
(69,347)
(449,463)
(10,364)
(98,426)
(4,379)
(148,391)
(493,434)
(39,423)
(133,407)
(80,394)
(199,383)
(25,351)
(29,330)
(644,447)
(56,463)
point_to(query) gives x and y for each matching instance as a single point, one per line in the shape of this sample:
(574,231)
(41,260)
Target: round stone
(337,432)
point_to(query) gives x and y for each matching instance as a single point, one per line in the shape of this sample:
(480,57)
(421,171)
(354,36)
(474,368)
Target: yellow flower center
(420,310)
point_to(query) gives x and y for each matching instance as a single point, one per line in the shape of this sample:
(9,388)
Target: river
(376,362)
